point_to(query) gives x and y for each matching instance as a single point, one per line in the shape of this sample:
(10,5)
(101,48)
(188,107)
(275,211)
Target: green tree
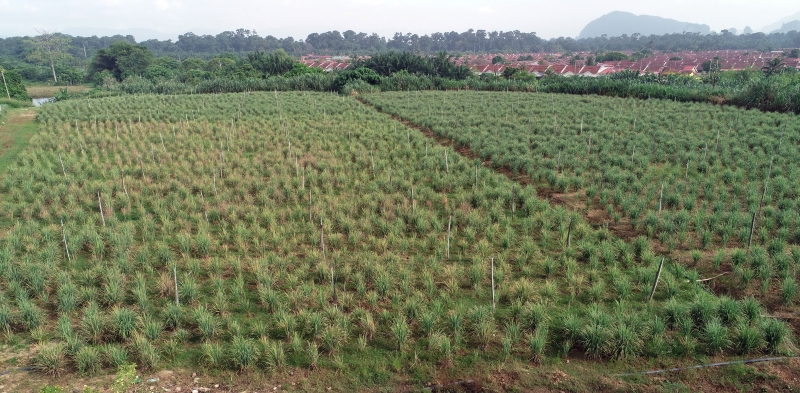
(2,73)
(275,63)
(49,48)
(14,88)
(773,66)
(498,60)
(122,59)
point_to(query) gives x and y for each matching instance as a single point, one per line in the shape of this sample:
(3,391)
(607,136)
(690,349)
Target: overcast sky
(167,18)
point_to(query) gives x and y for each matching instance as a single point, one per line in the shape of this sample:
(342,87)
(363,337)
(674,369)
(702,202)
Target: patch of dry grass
(50,91)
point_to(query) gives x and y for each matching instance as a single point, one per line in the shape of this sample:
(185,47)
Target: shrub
(87,361)
(50,359)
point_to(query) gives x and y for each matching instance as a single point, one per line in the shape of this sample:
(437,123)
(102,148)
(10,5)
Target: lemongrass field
(280,231)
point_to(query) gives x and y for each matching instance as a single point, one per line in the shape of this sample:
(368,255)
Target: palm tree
(773,66)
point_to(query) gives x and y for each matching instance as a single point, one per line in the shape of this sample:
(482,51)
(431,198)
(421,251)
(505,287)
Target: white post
(175,275)
(493,303)
(205,211)
(658,276)
(64,236)
(446,162)
(100,202)
(449,222)
(62,165)
(322,236)
(660,198)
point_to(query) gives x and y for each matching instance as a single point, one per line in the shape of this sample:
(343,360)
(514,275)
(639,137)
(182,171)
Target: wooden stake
(175,275)
(333,285)
(752,229)
(62,166)
(449,222)
(655,284)
(64,237)
(205,211)
(687,169)
(569,233)
(493,303)
(660,198)
(215,182)
(100,201)
(322,236)
(513,207)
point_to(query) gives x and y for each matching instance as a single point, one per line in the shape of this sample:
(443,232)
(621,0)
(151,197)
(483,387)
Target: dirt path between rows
(575,201)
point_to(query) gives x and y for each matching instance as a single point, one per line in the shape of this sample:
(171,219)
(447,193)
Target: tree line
(351,42)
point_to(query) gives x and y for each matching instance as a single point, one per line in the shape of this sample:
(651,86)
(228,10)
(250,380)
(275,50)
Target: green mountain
(618,23)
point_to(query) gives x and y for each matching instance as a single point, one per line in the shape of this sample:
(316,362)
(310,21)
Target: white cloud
(163,5)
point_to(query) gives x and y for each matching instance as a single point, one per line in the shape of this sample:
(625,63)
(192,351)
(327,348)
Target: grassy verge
(16,128)
(50,91)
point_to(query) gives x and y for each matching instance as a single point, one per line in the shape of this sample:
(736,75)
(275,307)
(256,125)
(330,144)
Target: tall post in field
(660,198)
(655,284)
(100,202)
(333,286)
(64,237)
(513,207)
(493,303)
(569,233)
(687,169)
(752,229)
(175,276)
(62,165)
(413,203)
(449,223)
(322,236)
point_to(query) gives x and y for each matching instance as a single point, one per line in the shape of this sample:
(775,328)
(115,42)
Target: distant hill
(618,23)
(788,26)
(779,24)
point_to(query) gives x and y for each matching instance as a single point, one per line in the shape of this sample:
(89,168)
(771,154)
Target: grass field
(270,237)
(713,187)
(16,128)
(51,91)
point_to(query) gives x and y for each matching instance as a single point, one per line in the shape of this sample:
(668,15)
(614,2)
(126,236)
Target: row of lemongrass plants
(282,230)
(717,183)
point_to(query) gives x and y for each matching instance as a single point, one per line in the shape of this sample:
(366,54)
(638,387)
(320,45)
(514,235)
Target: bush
(87,361)
(13,81)
(50,359)
(5,104)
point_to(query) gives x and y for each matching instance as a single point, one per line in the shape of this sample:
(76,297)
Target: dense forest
(352,43)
